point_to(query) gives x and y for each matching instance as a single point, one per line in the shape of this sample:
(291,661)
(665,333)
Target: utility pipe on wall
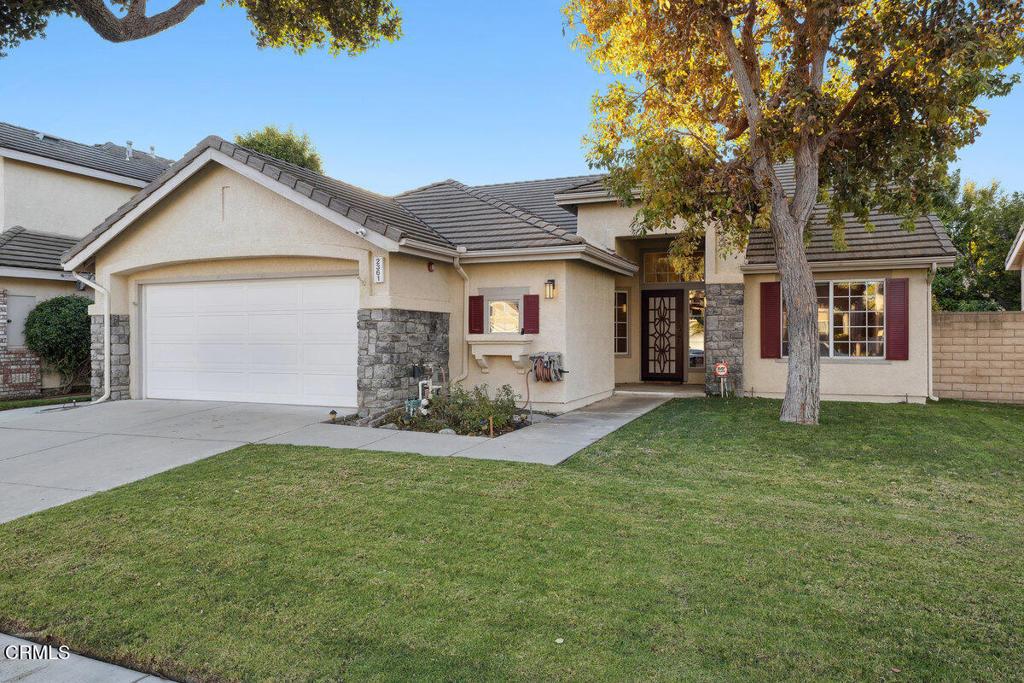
(106,334)
(931,360)
(465,315)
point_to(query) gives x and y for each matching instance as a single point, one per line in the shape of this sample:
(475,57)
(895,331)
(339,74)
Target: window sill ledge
(847,361)
(516,346)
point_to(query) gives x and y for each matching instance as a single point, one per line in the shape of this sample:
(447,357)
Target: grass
(705,541)
(49,401)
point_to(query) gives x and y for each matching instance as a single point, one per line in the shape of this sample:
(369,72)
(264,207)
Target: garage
(290,341)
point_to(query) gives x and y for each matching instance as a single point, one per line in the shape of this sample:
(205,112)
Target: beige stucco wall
(48,200)
(41,290)
(589,352)
(552,336)
(221,225)
(845,379)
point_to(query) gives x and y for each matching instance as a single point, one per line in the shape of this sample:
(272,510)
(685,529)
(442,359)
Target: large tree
(283,144)
(349,26)
(868,98)
(982,221)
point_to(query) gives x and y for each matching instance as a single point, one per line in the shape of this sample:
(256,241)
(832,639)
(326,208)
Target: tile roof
(538,196)
(106,157)
(888,240)
(375,212)
(21,248)
(472,218)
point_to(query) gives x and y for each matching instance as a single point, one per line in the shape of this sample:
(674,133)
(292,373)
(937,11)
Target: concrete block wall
(979,356)
(20,370)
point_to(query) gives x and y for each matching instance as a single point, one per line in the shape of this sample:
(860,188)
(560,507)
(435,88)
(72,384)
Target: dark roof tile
(21,248)
(106,157)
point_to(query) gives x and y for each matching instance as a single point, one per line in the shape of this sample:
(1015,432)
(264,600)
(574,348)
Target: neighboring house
(1015,261)
(236,276)
(52,192)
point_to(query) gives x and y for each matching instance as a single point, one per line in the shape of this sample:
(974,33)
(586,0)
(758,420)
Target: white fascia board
(35,274)
(417,248)
(1015,261)
(582,252)
(216,156)
(861,264)
(70,168)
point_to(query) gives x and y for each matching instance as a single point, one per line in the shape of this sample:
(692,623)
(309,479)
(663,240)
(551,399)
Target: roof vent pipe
(128,150)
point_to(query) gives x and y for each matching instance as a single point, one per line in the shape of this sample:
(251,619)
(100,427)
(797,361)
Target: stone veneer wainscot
(120,358)
(391,342)
(723,335)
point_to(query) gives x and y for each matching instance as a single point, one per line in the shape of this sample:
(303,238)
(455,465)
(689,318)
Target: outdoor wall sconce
(549,289)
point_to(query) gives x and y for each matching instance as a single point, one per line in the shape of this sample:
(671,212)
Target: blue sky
(477,91)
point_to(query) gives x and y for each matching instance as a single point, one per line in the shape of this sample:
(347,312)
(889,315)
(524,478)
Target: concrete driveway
(50,458)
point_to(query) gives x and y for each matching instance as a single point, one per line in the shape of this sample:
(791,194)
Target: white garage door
(262,341)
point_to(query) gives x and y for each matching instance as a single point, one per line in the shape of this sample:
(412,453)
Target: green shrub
(467,412)
(57,330)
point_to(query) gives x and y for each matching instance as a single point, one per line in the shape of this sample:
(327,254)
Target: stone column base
(119,357)
(723,336)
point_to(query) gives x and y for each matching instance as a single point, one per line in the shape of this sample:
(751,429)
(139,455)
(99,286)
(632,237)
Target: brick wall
(979,356)
(20,371)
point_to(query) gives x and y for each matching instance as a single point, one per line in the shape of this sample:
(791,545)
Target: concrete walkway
(546,443)
(27,662)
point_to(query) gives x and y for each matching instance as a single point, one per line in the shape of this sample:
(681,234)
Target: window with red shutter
(771,320)
(531,313)
(897,319)
(476,315)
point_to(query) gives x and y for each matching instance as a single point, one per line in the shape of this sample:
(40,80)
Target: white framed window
(851,319)
(620,324)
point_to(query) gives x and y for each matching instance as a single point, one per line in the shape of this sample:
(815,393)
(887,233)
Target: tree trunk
(802,401)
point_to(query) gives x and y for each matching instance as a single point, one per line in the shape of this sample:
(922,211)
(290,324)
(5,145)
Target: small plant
(466,412)
(57,330)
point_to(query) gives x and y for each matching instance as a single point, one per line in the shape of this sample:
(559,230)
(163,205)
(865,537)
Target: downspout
(931,373)
(465,315)
(106,334)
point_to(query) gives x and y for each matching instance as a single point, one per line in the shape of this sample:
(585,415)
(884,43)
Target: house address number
(378,269)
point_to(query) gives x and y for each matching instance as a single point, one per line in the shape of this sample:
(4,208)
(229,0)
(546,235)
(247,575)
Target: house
(1015,261)
(52,192)
(236,276)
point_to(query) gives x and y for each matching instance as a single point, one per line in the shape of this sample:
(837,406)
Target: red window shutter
(476,315)
(897,319)
(531,314)
(771,320)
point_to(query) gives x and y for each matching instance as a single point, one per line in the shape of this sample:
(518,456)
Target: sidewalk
(17,664)
(546,443)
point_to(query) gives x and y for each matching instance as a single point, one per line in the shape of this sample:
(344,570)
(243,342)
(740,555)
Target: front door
(663,340)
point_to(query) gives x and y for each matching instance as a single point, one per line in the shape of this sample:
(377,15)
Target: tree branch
(851,103)
(135,24)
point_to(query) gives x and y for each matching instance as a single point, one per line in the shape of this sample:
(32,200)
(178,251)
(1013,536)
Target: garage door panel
(171,326)
(274,325)
(276,355)
(327,325)
(269,341)
(215,297)
(327,357)
(321,295)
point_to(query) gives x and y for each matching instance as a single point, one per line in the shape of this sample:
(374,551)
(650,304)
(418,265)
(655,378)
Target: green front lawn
(703,542)
(48,401)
